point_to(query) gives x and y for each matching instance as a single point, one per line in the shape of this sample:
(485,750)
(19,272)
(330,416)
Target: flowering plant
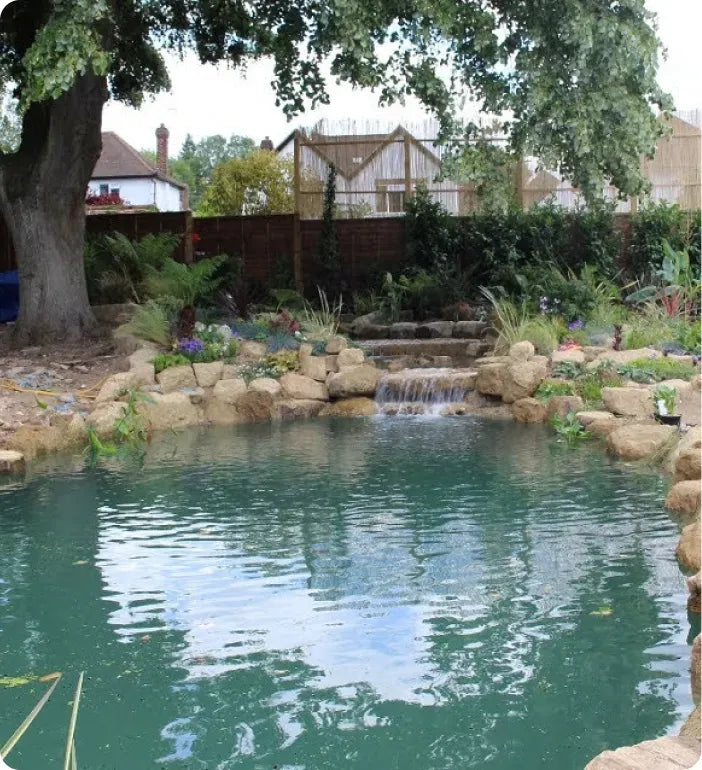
(286,323)
(191,347)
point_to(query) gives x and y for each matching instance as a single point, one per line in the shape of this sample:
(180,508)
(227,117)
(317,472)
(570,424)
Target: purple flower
(191,346)
(574,325)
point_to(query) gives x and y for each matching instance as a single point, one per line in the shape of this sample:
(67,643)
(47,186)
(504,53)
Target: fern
(184,283)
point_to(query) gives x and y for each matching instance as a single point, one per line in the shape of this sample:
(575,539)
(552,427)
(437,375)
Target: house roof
(119,159)
(351,153)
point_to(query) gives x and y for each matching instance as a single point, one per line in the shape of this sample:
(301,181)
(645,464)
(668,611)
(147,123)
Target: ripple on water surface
(381,593)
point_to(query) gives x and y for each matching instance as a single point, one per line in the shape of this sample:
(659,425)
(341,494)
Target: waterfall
(424,391)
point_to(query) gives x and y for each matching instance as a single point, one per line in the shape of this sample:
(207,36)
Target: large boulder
(491,379)
(336,344)
(638,440)
(690,403)
(470,330)
(11,461)
(298,409)
(528,410)
(208,374)
(625,356)
(696,669)
(689,440)
(114,386)
(176,378)
(688,550)
(255,406)
(521,379)
(314,367)
(572,356)
(229,391)
(522,351)
(694,587)
(563,405)
(251,351)
(689,464)
(362,325)
(404,330)
(102,419)
(266,385)
(588,417)
(355,381)
(301,387)
(171,411)
(350,357)
(435,330)
(684,497)
(630,402)
(360,406)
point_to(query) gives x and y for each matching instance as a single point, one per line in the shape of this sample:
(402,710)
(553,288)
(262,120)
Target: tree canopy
(259,183)
(574,82)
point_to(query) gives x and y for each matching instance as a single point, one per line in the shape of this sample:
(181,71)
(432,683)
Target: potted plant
(664,400)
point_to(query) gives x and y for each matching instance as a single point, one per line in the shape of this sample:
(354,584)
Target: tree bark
(42,197)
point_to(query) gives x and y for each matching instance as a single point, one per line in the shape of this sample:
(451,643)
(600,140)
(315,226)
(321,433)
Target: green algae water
(404,594)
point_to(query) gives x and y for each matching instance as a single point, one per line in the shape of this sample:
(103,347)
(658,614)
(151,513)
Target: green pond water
(385,593)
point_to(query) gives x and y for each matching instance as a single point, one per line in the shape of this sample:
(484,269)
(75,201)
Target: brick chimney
(162,149)
(267,144)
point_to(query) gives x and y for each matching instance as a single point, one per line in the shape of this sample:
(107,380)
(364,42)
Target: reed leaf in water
(70,745)
(22,729)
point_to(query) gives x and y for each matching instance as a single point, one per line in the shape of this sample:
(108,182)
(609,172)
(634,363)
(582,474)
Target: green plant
(431,233)
(514,325)
(131,426)
(589,387)
(322,322)
(274,365)
(690,337)
(328,258)
(568,370)
(165,361)
(657,369)
(151,322)
(664,399)
(185,284)
(569,428)
(549,388)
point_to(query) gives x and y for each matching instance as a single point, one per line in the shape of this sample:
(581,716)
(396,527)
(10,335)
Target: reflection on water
(365,594)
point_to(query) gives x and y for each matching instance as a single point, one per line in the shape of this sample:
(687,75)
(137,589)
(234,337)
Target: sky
(207,100)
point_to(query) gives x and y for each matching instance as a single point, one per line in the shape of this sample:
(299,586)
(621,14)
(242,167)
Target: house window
(104,189)
(390,198)
(114,191)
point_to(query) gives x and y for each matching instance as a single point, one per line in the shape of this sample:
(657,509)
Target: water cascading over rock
(424,391)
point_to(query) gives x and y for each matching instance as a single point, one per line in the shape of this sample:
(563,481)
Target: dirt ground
(37,383)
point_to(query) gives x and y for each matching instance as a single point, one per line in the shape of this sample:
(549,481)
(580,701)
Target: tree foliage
(574,82)
(260,183)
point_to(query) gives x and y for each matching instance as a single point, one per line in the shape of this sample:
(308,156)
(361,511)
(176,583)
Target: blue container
(9,296)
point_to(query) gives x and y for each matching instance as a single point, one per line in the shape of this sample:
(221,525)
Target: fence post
(297,235)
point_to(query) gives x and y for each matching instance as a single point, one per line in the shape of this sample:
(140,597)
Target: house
(122,171)
(374,171)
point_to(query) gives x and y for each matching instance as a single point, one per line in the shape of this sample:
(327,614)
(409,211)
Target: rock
(176,378)
(592,351)
(490,379)
(102,419)
(690,439)
(684,497)
(669,753)
(114,386)
(208,374)
(638,440)
(470,330)
(75,430)
(336,344)
(305,351)
(360,325)
(442,362)
(627,356)
(170,411)
(255,406)
(230,372)
(301,387)
(490,334)
(522,351)
(314,367)
(691,728)
(33,440)
(689,464)
(11,461)
(587,418)
(606,425)
(299,409)
(355,381)
(568,356)
(374,332)
(694,600)
(350,407)
(690,405)
(266,385)
(229,391)
(250,352)
(219,412)
(562,405)
(332,363)
(350,357)
(521,379)
(476,348)
(435,330)
(196,395)
(144,354)
(528,410)
(632,402)
(403,331)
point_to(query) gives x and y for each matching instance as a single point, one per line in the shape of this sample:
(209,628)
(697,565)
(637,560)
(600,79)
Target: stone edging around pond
(342,383)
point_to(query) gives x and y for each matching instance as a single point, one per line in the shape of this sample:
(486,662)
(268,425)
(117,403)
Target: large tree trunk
(42,197)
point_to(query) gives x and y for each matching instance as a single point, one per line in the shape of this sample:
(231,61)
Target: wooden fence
(270,247)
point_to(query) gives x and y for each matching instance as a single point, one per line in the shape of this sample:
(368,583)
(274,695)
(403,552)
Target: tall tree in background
(259,183)
(578,79)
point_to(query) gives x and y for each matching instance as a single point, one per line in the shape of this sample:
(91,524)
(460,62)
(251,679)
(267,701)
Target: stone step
(461,351)
(670,753)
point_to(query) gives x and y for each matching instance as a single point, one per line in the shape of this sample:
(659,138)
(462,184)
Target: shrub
(657,369)
(568,370)
(589,388)
(431,232)
(690,337)
(184,283)
(274,365)
(167,360)
(548,389)
(151,322)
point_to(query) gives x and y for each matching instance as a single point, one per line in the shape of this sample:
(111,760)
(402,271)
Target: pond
(391,593)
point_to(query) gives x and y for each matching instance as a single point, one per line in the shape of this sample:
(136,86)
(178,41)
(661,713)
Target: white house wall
(142,191)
